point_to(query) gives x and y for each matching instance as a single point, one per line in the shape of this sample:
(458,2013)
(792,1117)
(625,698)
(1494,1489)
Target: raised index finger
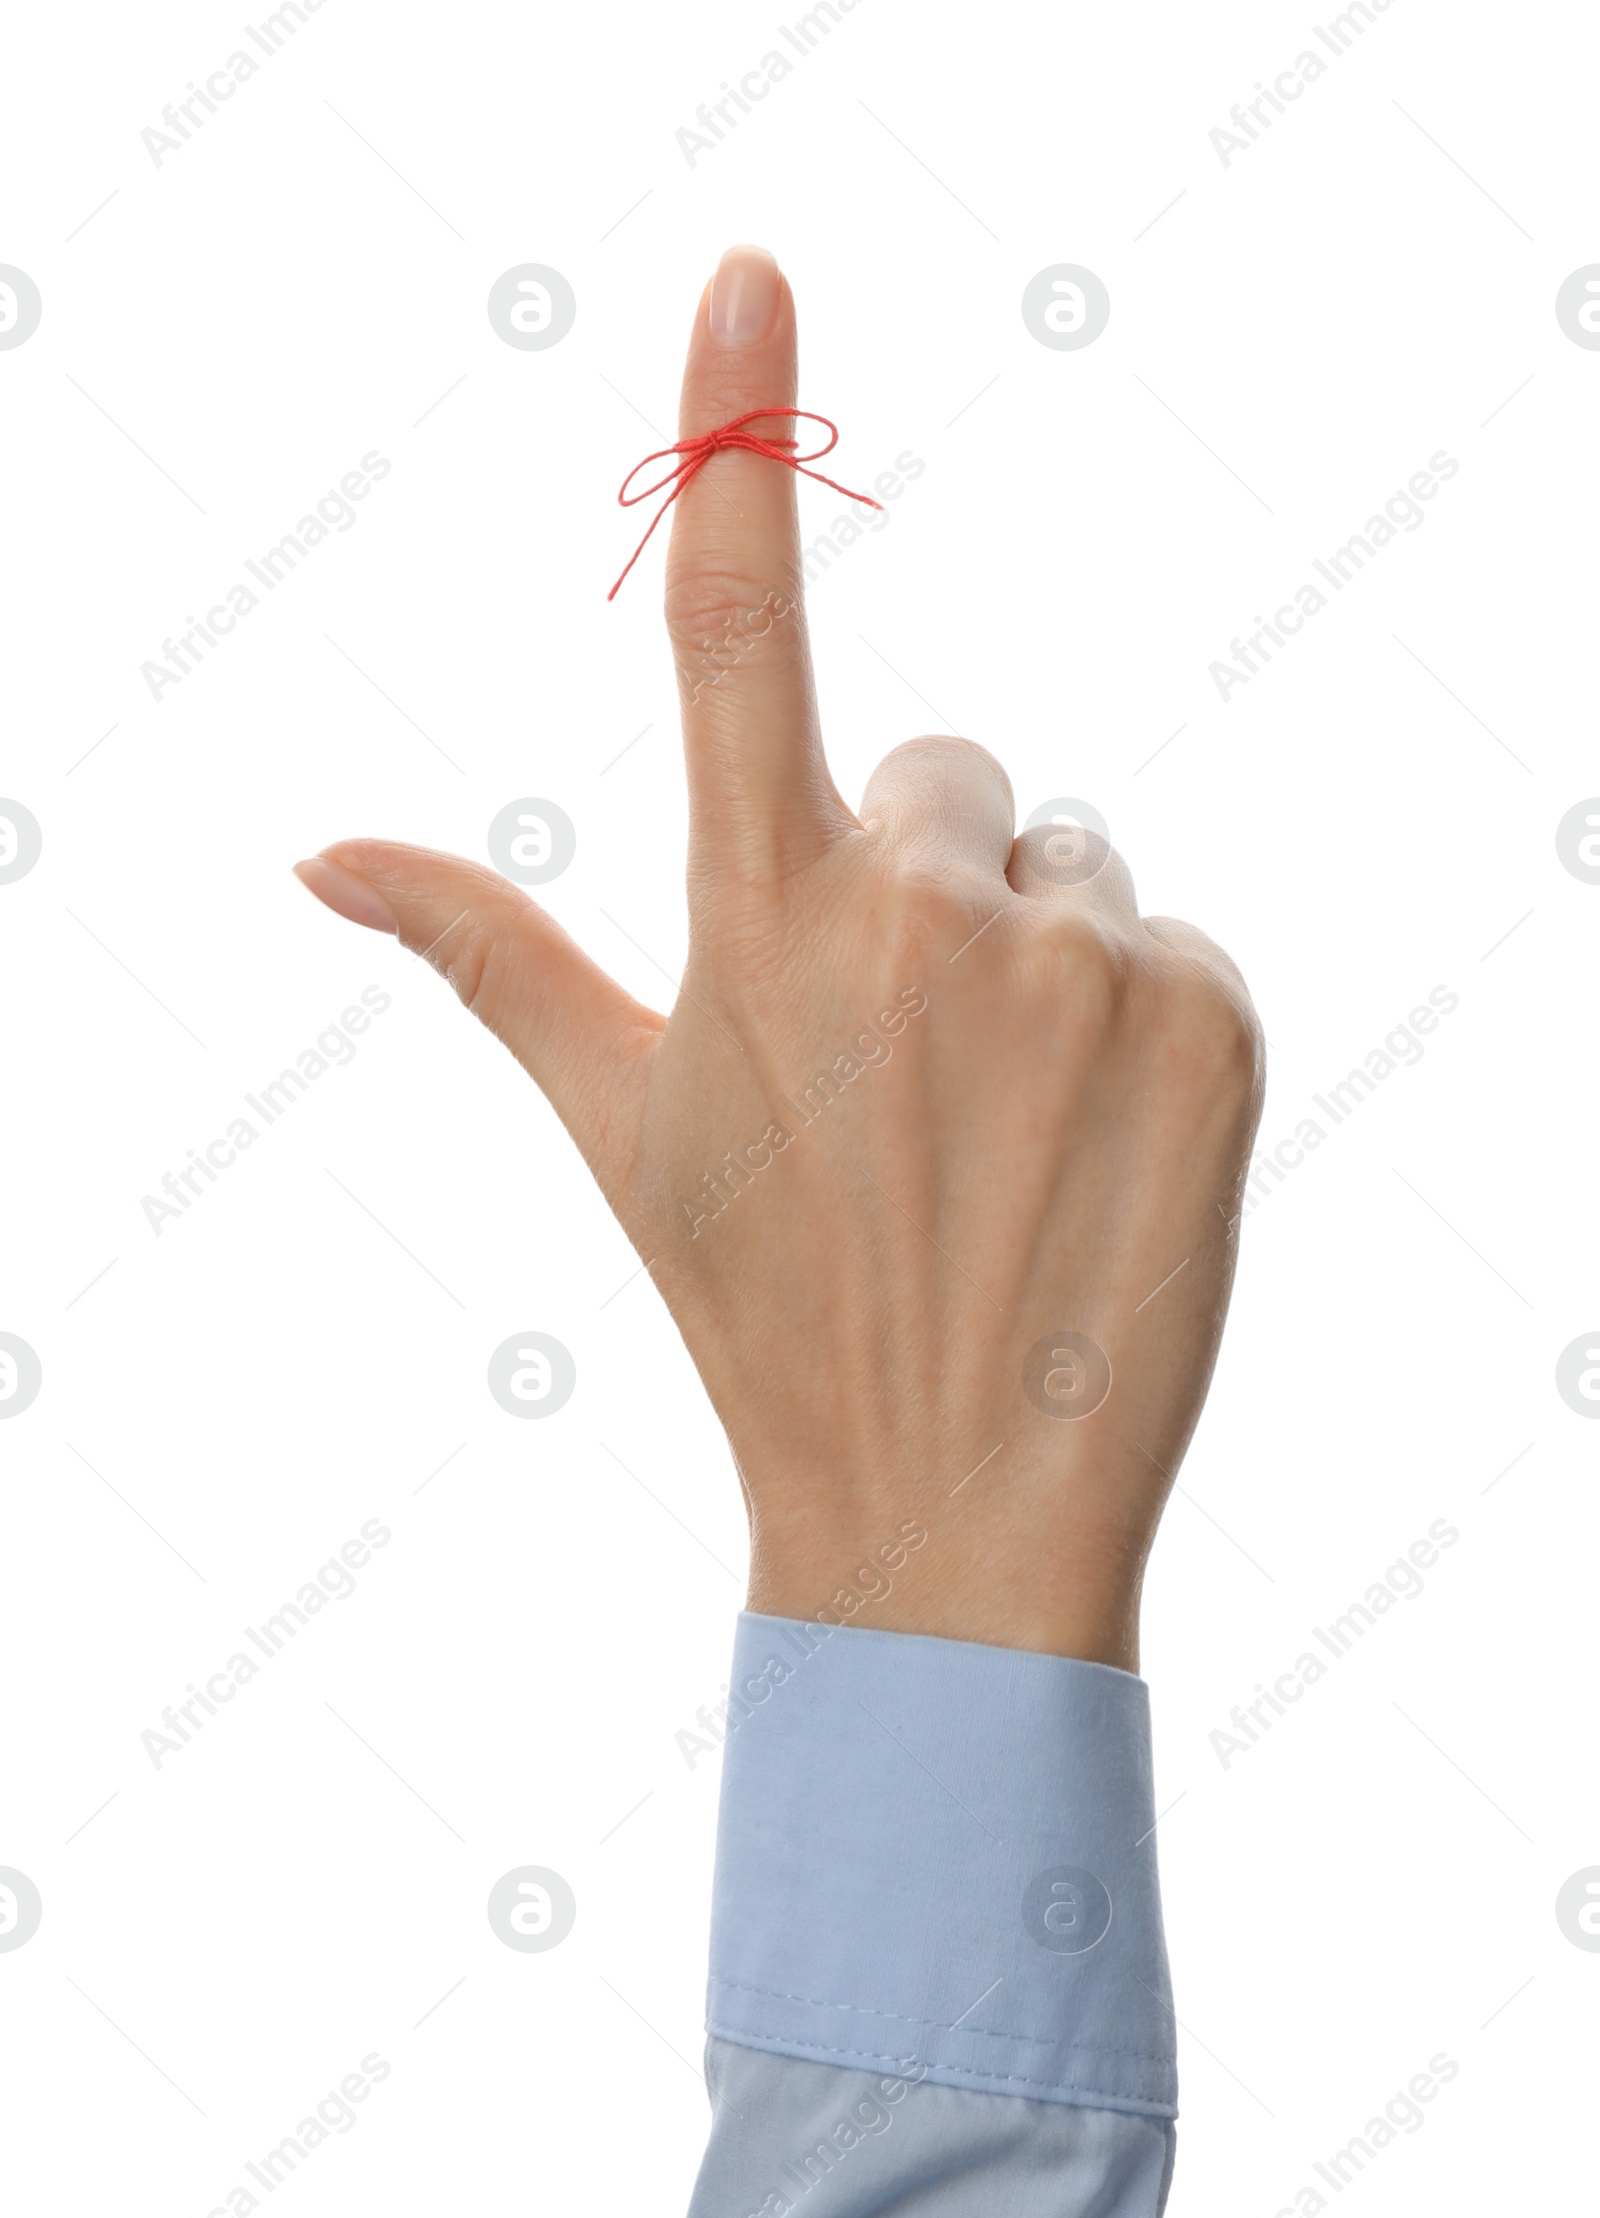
(759,787)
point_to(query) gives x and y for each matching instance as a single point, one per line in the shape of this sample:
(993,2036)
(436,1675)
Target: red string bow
(694,454)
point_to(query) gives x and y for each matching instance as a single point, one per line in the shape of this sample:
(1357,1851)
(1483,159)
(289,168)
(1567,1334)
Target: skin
(1058,1127)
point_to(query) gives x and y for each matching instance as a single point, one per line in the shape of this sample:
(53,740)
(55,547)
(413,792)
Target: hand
(934,1116)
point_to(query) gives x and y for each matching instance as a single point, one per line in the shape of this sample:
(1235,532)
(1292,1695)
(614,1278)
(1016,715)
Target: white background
(1289,341)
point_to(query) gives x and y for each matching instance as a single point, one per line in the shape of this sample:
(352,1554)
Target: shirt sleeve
(938,1977)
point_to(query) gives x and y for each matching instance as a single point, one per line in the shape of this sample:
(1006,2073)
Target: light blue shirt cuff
(937,1860)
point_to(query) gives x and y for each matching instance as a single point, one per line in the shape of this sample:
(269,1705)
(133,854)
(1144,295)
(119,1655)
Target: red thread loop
(694,454)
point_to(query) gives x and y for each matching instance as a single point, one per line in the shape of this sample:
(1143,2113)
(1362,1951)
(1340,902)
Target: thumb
(584,1041)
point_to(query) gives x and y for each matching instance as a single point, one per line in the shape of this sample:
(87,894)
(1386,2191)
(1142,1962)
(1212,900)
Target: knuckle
(1209,1034)
(713,616)
(942,747)
(471,958)
(1081,966)
(928,908)
(916,772)
(1072,855)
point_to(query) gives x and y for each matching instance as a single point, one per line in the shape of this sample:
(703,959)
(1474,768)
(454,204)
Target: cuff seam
(950,2075)
(994,2033)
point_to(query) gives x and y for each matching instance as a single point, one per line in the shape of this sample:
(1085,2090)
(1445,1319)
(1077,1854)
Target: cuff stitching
(999,2081)
(993,2033)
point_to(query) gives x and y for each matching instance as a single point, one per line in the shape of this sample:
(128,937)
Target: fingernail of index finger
(744,297)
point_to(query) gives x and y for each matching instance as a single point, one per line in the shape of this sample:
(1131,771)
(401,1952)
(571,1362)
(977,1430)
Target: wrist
(1081,1603)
